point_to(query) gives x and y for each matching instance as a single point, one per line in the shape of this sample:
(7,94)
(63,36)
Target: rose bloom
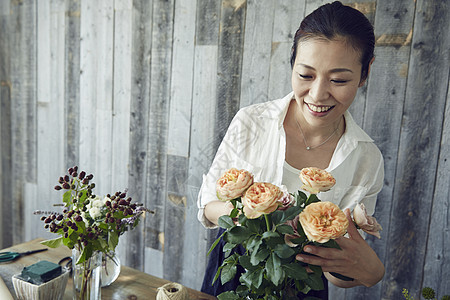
(233,183)
(322,221)
(367,223)
(287,200)
(261,198)
(316,180)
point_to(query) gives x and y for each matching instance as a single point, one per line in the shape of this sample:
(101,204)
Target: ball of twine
(172,291)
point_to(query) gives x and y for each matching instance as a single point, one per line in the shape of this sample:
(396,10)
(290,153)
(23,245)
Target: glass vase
(110,268)
(86,276)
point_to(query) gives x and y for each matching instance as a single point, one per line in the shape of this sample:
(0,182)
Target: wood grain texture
(420,139)
(156,189)
(182,76)
(142,28)
(140,93)
(385,102)
(23,112)
(5,122)
(72,82)
(436,260)
(229,67)
(257,52)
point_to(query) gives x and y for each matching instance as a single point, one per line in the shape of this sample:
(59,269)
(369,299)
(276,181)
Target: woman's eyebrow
(336,70)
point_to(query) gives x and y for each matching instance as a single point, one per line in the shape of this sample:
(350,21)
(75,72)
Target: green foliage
(88,222)
(271,270)
(427,293)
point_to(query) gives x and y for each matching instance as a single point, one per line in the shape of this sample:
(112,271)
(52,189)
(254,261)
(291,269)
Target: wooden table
(131,283)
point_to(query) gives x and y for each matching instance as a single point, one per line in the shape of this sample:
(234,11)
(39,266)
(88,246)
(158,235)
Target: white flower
(95,212)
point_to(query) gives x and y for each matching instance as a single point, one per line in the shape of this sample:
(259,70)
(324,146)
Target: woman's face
(325,78)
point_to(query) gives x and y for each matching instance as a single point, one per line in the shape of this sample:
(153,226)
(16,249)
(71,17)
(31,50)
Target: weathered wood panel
(182,76)
(72,82)
(287,18)
(229,67)
(5,113)
(142,28)
(201,152)
(384,105)
(257,51)
(436,260)
(23,113)
(420,140)
(161,55)
(140,93)
(121,108)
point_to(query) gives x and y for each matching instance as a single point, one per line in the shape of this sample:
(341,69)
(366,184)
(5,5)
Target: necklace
(313,147)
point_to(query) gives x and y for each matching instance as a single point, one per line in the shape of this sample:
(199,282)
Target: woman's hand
(215,209)
(356,259)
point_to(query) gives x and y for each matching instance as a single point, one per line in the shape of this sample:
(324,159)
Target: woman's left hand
(356,259)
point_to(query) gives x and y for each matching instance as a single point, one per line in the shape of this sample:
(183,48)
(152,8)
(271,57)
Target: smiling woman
(331,56)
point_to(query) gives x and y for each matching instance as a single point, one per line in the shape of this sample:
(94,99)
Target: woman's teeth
(319,108)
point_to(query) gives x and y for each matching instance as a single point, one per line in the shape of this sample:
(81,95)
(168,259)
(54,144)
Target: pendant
(308,148)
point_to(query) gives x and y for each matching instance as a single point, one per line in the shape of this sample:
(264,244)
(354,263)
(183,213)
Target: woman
(311,127)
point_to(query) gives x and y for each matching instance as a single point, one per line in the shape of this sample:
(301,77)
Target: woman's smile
(319,109)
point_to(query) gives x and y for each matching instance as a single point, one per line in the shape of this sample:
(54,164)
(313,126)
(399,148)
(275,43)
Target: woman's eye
(339,81)
(305,76)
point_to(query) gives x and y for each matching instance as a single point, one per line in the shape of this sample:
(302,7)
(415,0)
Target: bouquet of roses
(273,226)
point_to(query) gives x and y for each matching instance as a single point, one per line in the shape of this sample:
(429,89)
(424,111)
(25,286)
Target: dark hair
(334,20)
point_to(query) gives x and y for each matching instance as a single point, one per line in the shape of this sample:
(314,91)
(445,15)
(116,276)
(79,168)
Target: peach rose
(323,221)
(233,183)
(261,198)
(367,223)
(316,180)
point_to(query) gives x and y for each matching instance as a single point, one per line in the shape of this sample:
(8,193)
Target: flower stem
(267,222)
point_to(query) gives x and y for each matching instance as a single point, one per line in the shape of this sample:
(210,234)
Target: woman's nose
(319,90)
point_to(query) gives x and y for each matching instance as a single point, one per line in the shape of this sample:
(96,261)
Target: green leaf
(254,225)
(276,217)
(314,281)
(301,198)
(285,229)
(219,269)
(253,243)
(67,198)
(291,213)
(270,234)
(311,199)
(237,235)
(228,273)
(215,243)
(226,222)
(295,271)
(284,251)
(228,296)
(234,213)
(259,256)
(253,278)
(113,240)
(274,271)
(244,261)
(53,243)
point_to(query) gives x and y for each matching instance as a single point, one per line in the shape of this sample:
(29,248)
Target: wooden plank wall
(140,93)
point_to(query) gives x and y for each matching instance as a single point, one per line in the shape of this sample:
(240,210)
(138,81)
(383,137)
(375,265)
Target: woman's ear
(363,81)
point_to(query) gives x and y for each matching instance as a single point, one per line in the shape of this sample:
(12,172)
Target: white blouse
(256,141)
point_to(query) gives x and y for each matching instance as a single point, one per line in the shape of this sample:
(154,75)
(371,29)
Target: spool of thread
(172,291)
(4,291)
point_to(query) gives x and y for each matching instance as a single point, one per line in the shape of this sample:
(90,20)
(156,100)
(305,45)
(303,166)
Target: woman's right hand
(215,209)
